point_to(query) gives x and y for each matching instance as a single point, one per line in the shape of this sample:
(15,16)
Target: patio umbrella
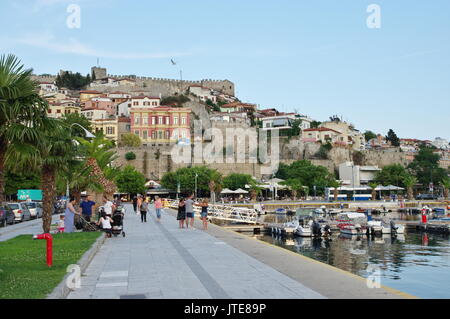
(240,191)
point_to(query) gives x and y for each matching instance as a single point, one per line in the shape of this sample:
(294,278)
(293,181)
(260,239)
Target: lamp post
(196,175)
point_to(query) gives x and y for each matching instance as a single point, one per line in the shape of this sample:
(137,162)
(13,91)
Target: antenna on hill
(98,62)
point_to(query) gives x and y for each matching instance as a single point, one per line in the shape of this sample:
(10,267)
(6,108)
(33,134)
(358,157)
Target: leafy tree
(130,181)
(72,81)
(237,180)
(130,140)
(186,177)
(393,138)
(178,100)
(22,110)
(130,156)
(425,167)
(307,174)
(446,185)
(368,135)
(21,180)
(392,175)
(315,124)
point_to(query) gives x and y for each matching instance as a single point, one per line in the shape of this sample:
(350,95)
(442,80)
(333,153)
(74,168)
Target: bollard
(49,240)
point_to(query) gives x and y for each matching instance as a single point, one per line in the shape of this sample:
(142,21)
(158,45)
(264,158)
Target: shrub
(130,156)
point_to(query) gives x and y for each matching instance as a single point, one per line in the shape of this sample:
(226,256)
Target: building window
(153,120)
(145,120)
(58,111)
(110,130)
(167,120)
(183,121)
(153,135)
(167,134)
(144,135)
(160,120)
(135,103)
(136,132)
(183,134)
(49,111)
(136,119)
(175,120)
(160,135)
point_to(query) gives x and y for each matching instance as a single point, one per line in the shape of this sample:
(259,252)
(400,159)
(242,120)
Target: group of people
(67,221)
(186,213)
(140,206)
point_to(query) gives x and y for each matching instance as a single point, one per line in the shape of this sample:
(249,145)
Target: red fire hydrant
(49,240)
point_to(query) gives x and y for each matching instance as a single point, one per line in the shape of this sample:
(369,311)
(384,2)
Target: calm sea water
(415,263)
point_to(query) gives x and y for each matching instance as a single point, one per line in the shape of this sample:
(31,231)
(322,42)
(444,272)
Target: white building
(357,175)
(282,122)
(47,87)
(441,143)
(203,93)
(145,101)
(93,114)
(123,109)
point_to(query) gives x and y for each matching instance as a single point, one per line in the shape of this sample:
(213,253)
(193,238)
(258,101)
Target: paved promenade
(30,227)
(159,260)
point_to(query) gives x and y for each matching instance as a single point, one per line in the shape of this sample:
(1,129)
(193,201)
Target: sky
(319,57)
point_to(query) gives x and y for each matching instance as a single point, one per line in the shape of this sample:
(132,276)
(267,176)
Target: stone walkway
(159,260)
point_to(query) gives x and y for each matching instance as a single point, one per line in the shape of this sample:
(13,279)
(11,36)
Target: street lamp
(88,134)
(196,175)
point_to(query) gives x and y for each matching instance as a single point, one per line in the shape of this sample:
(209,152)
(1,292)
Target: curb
(62,291)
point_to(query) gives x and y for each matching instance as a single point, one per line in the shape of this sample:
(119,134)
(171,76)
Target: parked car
(427,197)
(35,209)
(6,215)
(21,211)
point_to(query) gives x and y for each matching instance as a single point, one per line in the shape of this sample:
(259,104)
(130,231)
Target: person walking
(158,207)
(204,213)
(135,200)
(140,199)
(189,204)
(69,216)
(181,216)
(143,209)
(86,208)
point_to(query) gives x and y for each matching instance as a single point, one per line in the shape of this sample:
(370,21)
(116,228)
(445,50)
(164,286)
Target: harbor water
(416,263)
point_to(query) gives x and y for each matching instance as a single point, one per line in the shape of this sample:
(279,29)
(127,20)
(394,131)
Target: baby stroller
(117,226)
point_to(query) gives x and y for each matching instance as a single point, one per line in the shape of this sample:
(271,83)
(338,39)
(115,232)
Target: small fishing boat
(281,211)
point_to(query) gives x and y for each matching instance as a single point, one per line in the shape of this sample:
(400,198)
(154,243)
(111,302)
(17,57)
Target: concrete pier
(159,260)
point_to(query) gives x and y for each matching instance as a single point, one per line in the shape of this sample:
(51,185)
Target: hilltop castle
(105,82)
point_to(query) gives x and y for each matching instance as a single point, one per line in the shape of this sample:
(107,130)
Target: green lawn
(23,269)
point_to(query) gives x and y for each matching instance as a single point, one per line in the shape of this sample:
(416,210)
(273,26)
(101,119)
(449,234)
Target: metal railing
(225,212)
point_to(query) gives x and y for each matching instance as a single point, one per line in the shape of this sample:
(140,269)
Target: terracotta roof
(123,119)
(234,104)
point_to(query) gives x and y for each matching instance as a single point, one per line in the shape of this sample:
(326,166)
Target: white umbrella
(240,191)
(227,191)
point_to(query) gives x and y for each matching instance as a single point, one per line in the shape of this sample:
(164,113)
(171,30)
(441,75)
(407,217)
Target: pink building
(101,103)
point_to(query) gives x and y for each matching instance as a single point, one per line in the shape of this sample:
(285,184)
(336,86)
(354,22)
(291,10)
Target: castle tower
(98,73)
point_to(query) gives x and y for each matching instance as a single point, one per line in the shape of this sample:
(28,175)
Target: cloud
(73,46)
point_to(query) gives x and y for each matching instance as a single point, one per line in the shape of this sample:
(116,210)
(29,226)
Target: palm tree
(446,184)
(336,184)
(295,185)
(409,182)
(100,156)
(255,190)
(48,155)
(215,184)
(373,185)
(21,109)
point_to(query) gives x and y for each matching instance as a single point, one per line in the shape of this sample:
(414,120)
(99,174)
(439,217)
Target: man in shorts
(189,204)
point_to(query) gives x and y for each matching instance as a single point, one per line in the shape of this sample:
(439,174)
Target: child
(61,224)
(105,222)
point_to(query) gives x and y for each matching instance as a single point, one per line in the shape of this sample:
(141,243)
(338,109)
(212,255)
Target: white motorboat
(355,229)
(398,229)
